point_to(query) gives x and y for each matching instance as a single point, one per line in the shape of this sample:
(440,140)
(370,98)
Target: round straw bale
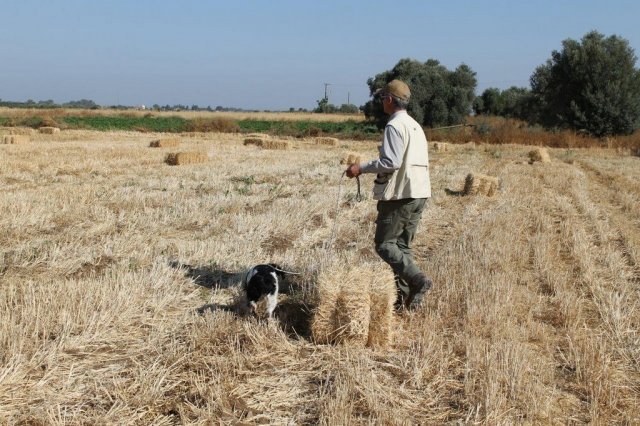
(49,130)
(165,143)
(539,154)
(326,141)
(181,158)
(477,184)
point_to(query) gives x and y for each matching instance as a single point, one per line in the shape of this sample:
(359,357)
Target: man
(402,187)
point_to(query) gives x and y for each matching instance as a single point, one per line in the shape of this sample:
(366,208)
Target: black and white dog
(263,281)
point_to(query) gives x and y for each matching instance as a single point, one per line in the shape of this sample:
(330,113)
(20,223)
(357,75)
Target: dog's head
(263,281)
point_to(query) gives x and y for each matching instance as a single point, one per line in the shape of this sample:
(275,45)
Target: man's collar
(395,114)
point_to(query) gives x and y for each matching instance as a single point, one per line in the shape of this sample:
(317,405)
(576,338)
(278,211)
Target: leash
(359,193)
(245,280)
(329,243)
(287,272)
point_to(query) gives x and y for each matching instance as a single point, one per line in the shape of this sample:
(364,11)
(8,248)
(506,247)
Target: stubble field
(115,268)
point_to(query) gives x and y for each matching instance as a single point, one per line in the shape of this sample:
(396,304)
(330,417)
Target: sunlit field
(120,274)
(271,116)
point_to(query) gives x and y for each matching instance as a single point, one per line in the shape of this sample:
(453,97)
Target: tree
(325,107)
(490,101)
(438,96)
(591,85)
(348,109)
(514,102)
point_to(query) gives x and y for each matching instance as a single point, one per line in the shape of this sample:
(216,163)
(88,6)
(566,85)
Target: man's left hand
(353,171)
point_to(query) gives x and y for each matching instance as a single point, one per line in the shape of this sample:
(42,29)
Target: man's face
(387,104)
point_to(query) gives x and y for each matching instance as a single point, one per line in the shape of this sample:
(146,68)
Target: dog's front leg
(272,302)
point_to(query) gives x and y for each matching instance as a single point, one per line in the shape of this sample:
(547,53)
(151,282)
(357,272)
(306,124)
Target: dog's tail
(281,272)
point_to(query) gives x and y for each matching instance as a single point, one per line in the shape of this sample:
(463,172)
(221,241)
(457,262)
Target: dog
(262,281)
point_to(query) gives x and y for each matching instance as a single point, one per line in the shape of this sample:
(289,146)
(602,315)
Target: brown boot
(418,287)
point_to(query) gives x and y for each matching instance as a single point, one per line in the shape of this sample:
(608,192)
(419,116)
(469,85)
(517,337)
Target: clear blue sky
(277,54)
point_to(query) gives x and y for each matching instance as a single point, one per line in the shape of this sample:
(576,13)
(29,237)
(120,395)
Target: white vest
(411,180)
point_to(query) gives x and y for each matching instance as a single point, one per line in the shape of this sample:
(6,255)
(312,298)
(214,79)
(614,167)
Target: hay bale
(477,184)
(327,141)
(539,154)
(16,139)
(323,325)
(257,135)
(49,130)
(253,141)
(194,134)
(350,158)
(165,143)
(22,131)
(441,146)
(355,306)
(275,144)
(383,295)
(182,158)
(353,315)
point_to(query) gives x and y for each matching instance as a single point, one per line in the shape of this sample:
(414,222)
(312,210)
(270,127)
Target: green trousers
(396,227)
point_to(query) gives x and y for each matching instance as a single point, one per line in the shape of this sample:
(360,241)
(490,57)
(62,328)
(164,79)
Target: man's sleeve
(390,154)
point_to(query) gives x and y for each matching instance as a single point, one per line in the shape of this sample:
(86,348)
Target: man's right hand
(353,171)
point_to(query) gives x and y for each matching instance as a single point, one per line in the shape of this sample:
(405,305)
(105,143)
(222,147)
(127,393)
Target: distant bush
(224,125)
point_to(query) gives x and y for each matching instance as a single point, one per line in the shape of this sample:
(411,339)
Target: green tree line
(591,86)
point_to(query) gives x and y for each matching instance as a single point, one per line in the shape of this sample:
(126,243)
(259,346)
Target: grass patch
(170,124)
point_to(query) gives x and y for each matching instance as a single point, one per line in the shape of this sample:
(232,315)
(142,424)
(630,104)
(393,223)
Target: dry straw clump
(355,306)
(327,141)
(350,158)
(49,130)
(16,139)
(539,154)
(477,184)
(182,158)
(165,143)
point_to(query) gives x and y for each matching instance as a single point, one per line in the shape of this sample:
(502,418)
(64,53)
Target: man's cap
(397,88)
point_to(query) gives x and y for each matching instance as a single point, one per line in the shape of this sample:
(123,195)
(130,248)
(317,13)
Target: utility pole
(348,98)
(325,90)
